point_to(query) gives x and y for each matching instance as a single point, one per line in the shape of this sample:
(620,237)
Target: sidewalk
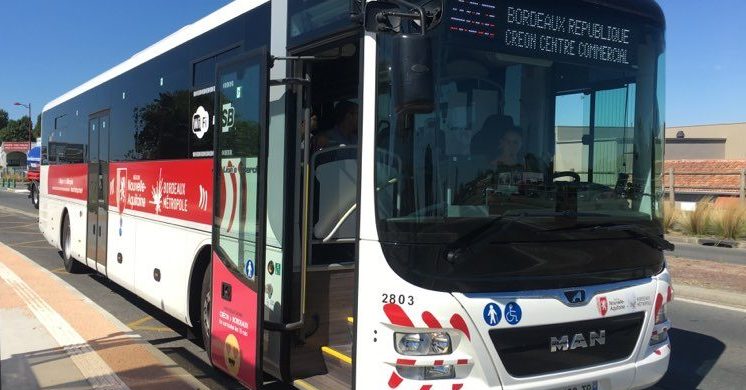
(51,336)
(709,281)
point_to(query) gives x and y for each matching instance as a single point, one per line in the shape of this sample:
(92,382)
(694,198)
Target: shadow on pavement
(54,368)
(692,357)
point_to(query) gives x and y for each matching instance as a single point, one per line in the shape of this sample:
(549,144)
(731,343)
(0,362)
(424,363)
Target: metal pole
(742,192)
(672,195)
(30,128)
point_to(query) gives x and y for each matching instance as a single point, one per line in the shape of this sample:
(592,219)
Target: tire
(71,265)
(35,195)
(205,309)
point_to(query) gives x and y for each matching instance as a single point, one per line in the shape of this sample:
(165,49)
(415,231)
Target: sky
(48,47)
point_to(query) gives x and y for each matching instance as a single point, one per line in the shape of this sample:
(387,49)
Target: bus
(392,194)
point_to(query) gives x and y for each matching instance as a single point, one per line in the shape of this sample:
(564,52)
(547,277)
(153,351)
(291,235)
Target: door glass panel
(235,333)
(238,147)
(93,131)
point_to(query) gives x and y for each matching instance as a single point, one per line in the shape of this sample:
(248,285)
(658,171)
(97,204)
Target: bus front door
(237,304)
(98,191)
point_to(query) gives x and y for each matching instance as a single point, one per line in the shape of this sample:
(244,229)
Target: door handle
(226,291)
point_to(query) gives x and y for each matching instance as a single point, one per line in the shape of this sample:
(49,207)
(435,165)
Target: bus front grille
(538,350)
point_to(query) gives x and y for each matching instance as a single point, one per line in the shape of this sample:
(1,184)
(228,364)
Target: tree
(3,118)
(16,130)
(37,127)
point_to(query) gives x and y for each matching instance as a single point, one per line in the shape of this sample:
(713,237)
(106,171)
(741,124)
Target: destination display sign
(552,30)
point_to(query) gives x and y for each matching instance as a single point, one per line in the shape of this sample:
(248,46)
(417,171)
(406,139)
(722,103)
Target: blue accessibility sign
(513,313)
(492,314)
(248,269)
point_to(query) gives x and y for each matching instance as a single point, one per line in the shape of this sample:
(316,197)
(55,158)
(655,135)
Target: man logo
(563,343)
(575,296)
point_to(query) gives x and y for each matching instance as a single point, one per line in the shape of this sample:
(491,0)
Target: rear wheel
(206,308)
(35,195)
(71,265)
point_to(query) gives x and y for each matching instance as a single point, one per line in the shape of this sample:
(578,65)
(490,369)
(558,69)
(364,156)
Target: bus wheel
(206,309)
(35,195)
(71,265)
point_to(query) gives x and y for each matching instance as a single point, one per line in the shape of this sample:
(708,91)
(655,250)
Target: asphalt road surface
(703,252)
(709,344)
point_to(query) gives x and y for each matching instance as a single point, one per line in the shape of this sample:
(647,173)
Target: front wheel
(206,308)
(71,265)
(35,195)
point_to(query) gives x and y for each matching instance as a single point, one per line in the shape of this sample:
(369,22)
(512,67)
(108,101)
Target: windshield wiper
(480,237)
(635,231)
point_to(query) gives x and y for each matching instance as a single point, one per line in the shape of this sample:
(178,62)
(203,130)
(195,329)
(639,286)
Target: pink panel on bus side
(179,189)
(234,326)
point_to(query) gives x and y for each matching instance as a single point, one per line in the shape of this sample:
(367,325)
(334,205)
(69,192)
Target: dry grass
(697,222)
(670,216)
(730,222)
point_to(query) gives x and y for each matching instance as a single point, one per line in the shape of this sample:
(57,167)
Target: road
(723,255)
(709,344)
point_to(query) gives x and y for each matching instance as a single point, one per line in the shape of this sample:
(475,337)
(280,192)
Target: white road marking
(696,302)
(90,364)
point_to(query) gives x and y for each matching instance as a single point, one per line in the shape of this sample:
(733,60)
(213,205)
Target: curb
(168,363)
(720,297)
(15,191)
(702,240)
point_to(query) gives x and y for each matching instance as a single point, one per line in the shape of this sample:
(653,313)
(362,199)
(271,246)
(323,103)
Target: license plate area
(581,386)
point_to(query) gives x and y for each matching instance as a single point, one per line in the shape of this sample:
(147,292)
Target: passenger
(509,148)
(502,143)
(345,129)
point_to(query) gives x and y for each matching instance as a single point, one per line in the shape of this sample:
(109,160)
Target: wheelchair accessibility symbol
(492,314)
(513,313)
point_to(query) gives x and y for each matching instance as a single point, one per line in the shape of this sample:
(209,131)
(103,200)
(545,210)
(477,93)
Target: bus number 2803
(398,298)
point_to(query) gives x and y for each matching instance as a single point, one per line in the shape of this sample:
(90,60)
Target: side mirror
(412,74)
(375,19)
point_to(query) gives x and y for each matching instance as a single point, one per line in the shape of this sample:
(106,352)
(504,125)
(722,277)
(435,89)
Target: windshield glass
(538,132)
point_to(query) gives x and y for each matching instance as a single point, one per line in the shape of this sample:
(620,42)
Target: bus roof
(644,8)
(183,35)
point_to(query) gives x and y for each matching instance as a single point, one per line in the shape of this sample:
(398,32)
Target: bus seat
(335,172)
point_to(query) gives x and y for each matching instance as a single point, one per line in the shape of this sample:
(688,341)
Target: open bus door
(237,286)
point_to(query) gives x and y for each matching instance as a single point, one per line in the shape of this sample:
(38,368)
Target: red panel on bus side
(69,180)
(233,334)
(179,189)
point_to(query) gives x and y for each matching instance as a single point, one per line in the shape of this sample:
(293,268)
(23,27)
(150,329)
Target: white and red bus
(391,194)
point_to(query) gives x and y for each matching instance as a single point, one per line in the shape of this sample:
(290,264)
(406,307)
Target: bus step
(338,360)
(320,382)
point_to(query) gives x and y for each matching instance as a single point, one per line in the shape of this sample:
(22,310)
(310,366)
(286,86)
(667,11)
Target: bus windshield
(540,160)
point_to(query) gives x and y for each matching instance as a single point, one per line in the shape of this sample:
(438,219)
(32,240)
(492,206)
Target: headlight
(421,344)
(427,372)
